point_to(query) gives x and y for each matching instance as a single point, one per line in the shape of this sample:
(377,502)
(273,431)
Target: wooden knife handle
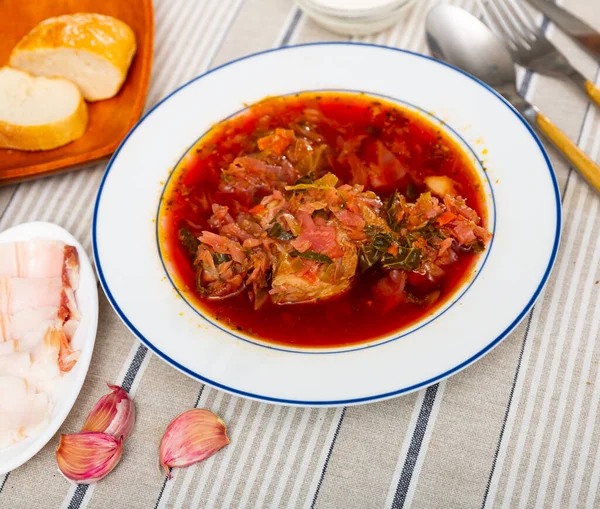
(592,91)
(577,157)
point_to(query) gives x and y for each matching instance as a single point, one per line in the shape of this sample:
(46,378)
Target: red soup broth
(353,317)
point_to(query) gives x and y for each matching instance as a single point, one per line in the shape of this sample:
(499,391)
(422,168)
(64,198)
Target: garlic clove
(88,456)
(113,414)
(191,437)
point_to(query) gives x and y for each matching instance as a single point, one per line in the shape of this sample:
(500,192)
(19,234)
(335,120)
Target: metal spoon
(459,38)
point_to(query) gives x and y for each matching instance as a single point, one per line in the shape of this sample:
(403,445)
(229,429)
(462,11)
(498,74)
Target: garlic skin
(113,414)
(191,437)
(88,456)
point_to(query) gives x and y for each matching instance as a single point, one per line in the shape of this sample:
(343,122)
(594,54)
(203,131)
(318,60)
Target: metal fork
(529,46)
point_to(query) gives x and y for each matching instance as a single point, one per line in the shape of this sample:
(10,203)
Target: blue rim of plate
(364,399)
(375,341)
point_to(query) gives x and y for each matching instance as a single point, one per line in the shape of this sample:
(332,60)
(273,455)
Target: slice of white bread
(92,50)
(38,113)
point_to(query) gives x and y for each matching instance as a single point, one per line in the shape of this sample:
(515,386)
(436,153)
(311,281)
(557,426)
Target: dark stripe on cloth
(414,447)
(78,496)
(134,367)
(510,397)
(199,396)
(4,482)
(324,471)
(291,29)
(162,490)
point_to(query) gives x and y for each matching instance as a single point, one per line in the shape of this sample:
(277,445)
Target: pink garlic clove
(113,414)
(89,456)
(191,437)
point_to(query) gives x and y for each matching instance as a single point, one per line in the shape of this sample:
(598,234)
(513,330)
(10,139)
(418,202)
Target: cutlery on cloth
(529,46)
(459,38)
(578,30)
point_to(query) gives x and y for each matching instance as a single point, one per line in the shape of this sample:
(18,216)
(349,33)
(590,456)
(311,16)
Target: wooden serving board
(109,120)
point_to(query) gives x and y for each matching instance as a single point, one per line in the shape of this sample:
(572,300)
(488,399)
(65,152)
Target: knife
(581,32)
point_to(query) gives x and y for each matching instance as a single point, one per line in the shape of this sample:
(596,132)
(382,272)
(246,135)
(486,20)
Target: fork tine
(519,37)
(528,27)
(492,19)
(526,15)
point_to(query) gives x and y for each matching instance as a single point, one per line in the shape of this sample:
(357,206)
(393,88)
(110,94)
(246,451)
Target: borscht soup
(321,220)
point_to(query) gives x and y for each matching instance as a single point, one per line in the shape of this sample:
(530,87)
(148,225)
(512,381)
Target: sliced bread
(38,113)
(92,50)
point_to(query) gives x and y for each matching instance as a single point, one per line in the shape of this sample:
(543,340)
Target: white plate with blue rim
(83,340)
(510,161)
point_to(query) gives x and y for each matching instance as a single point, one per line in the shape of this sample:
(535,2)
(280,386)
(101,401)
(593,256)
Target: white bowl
(353,20)
(87,301)
(520,185)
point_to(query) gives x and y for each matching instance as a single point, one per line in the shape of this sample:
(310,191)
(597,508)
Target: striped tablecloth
(520,428)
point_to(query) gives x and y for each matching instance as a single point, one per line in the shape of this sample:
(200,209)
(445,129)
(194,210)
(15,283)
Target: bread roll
(38,113)
(92,50)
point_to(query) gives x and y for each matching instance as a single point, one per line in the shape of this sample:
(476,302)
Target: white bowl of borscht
(326,224)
